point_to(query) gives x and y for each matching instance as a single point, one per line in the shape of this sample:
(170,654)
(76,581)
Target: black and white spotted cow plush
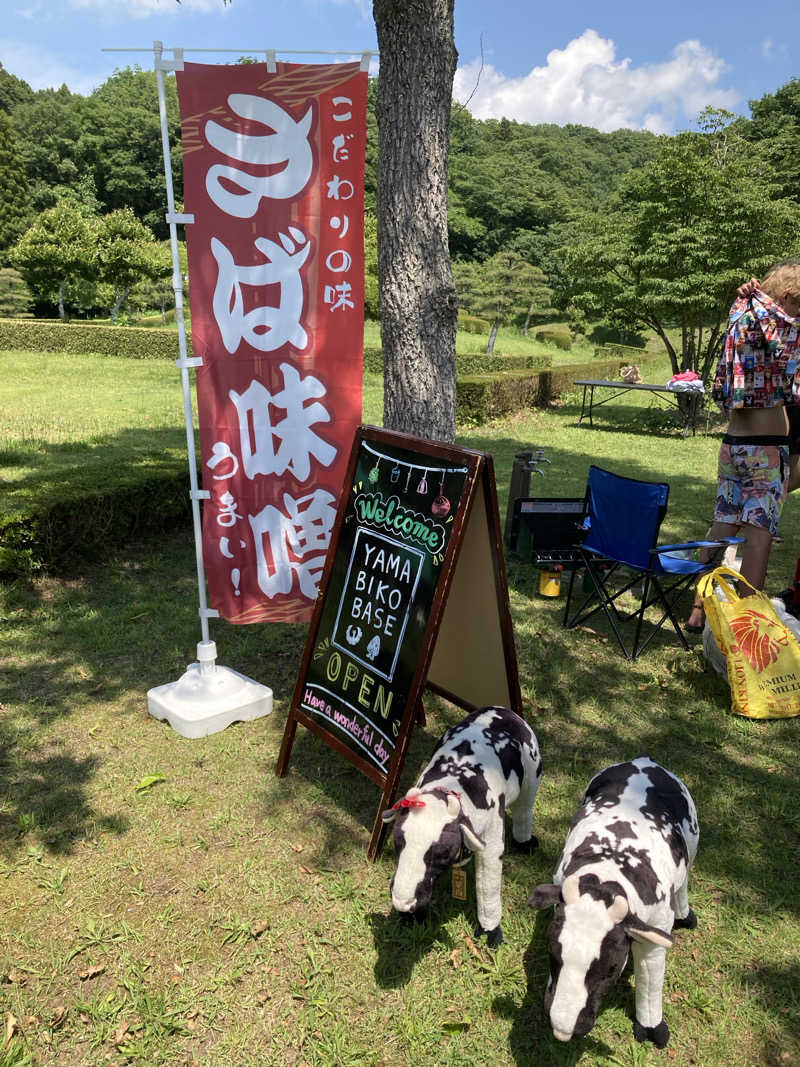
(622,881)
(485,764)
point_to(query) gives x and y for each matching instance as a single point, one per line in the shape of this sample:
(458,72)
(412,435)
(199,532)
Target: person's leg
(718,530)
(755,556)
(727,513)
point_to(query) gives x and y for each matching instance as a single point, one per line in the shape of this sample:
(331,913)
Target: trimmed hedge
(80,338)
(373,360)
(473,323)
(477,363)
(80,522)
(560,338)
(488,396)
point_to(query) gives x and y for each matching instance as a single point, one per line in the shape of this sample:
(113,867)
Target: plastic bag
(630,374)
(761,652)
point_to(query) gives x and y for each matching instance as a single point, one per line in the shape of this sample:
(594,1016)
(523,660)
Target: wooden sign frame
(466,654)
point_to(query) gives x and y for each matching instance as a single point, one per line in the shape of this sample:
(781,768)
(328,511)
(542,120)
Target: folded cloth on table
(687,382)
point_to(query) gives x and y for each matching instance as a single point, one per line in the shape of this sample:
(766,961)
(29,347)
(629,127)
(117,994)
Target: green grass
(67,415)
(165,901)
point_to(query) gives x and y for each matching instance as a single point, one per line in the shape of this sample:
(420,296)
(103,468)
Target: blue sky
(603,63)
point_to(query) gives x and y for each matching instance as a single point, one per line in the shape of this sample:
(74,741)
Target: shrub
(550,336)
(487,396)
(606,334)
(51,532)
(476,363)
(47,335)
(481,397)
(373,360)
(480,363)
(473,323)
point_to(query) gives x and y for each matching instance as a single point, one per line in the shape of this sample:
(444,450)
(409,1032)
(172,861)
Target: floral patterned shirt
(760,362)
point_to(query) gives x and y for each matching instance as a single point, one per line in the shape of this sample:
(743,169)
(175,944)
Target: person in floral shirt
(757,376)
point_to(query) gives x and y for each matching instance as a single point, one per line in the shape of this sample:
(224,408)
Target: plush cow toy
(487,763)
(622,878)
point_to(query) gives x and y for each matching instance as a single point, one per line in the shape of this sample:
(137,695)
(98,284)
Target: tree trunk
(526,327)
(419,305)
(61,301)
(119,299)
(492,337)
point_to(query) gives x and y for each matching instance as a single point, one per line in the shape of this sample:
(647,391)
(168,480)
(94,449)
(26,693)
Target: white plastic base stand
(207,698)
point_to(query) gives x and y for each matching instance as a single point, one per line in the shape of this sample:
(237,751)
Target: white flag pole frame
(207,697)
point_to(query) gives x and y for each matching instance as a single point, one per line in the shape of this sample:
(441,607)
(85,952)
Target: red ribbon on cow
(408,802)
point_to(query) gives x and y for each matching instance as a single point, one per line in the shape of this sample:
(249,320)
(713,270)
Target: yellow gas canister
(550,581)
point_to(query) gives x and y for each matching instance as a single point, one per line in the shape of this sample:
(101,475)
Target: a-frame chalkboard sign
(413,596)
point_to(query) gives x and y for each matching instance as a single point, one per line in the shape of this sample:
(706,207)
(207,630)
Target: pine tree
(14,207)
(15,296)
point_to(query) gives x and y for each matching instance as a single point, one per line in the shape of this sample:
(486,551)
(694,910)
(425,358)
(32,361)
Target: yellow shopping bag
(763,655)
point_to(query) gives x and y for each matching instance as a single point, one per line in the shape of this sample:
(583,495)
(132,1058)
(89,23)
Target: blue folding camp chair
(624,516)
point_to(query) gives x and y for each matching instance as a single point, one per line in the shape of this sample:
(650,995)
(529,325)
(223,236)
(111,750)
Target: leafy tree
(50,131)
(683,232)
(14,205)
(371,304)
(57,254)
(122,140)
(775,132)
(13,91)
(15,296)
(125,254)
(157,292)
(419,306)
(503,288)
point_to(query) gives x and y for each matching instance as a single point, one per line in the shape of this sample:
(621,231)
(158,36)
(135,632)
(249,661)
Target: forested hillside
(581,207)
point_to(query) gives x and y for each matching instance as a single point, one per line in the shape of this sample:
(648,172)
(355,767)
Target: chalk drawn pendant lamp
(208,697)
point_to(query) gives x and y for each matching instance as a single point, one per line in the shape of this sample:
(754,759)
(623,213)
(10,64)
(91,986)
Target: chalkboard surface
(394,538)
(410,509)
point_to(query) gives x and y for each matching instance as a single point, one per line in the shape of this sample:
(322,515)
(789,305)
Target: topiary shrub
(51,532)
(559,338)
(473,324)
(373,360)
(80,338)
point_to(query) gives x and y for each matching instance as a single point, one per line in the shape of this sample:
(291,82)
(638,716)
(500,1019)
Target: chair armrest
(725,541)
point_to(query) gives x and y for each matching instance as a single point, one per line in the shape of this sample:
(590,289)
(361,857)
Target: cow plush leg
(522,837)
(685,918)
(488,882)
(649,966)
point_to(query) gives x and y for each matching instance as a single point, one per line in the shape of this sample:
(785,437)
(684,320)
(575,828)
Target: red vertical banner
(274,176)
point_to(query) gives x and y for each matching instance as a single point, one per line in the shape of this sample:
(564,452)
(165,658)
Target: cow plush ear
(471,839)
(545,896)
(389,815)
(640,931)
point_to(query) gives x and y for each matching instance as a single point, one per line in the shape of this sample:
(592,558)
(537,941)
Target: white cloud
(145,8)
(585,83)
(43,69)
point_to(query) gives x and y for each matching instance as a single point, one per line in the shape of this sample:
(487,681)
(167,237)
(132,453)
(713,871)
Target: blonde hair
(783,278)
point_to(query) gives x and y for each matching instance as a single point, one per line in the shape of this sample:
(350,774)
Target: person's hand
(748,288)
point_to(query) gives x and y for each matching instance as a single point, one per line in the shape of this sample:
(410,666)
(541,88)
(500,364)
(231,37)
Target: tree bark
(119,299)
(492,338)
(418,300)
(61,301)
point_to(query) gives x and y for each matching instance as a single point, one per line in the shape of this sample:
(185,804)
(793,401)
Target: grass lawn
(221,916)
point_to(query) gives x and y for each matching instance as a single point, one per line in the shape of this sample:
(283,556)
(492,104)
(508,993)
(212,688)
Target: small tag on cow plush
(459,883)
